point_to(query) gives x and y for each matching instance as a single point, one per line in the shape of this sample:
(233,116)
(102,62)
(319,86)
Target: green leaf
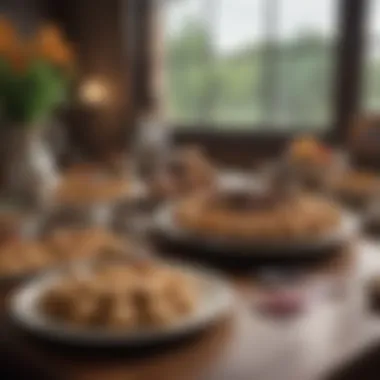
(33,95)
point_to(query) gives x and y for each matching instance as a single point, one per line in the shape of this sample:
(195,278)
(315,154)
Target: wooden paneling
(24,13)
(349,65)
(96,28)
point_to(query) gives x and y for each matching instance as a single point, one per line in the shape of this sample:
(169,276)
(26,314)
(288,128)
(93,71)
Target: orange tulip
(8,36)
(49,35)
(48,44)
(18,58)
(62,55)
(51,45)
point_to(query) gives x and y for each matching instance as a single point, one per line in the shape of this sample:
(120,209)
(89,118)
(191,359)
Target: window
(371,92)
(244,64)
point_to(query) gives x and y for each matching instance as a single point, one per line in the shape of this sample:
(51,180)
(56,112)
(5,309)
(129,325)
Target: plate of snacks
(248,222)
(356,189)
(312,162)
(119,302)
(186,170)
(21,258)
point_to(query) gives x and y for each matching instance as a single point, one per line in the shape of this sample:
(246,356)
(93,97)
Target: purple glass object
(283,293)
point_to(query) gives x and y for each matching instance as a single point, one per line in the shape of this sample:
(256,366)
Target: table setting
(241,269)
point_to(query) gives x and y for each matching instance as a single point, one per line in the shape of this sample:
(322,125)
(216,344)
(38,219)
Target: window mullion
(207,102)
(349,64)
(269,58)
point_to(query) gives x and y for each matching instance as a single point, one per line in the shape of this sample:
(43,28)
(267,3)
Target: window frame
(346,88)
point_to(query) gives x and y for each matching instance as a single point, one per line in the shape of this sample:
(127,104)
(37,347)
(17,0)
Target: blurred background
(214,68)
(241,135)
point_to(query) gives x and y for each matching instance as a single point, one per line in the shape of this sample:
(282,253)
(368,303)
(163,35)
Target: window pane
(250,62)
(238,36)
(306,39)
(186,33)
(187,47)
(371,98)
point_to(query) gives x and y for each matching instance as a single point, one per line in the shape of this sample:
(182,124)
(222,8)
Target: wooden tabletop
(336,328)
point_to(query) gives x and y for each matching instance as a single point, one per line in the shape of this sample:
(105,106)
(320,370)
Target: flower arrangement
(34,74)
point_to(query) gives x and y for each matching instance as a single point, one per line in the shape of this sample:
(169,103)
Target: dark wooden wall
(97,29)
(26,14)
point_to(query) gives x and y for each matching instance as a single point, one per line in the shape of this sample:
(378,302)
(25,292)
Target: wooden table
(247,345)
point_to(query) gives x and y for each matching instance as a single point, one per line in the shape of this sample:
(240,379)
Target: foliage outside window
(243,64)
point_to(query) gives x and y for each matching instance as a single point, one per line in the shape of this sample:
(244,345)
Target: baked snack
(309,151)
(188,170)
(70,244)
(60,246)
(21,257)
(122,296)
(257,217)
(356,188)
(80,189)
(311,162)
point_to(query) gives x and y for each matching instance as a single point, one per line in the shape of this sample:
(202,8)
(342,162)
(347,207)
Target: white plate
(166,226)
(215,301)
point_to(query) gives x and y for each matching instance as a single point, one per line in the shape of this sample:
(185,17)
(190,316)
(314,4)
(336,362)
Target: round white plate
(166,226)
(215,301)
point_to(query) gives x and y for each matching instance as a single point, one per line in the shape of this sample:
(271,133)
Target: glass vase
(28,170)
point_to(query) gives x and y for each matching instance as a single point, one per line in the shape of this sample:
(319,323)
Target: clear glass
(28,166)
(150,148)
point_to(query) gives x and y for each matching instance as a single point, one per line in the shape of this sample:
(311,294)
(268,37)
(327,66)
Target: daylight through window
(249,63)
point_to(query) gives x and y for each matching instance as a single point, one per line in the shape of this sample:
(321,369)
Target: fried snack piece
(124,296)
(18,257)
(81,189)
(61,245)
(298,217)
(188,170)
(311,163)
(69,243)
(309,150)
(356,187)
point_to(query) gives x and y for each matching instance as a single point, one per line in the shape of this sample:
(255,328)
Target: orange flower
(62,55)
(18,58)
(49,35)
(51,45)
(8,36)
